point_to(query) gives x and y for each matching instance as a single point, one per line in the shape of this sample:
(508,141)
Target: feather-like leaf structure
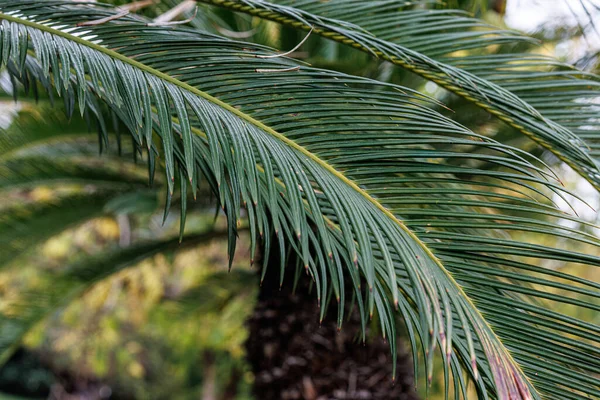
(551,102)
(354,177)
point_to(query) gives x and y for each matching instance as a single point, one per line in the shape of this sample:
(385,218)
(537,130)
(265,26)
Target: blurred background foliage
(152,318)
(93,279)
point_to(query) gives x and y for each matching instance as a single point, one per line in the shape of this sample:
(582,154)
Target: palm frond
(549,101)
(350,174)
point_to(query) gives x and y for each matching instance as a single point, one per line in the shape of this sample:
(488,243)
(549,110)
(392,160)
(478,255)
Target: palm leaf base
(295,357)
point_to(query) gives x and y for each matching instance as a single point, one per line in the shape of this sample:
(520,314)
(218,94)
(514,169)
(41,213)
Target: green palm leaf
(551,102)
(353,175)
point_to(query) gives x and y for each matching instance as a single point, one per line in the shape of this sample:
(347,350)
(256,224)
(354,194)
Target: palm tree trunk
(295,357)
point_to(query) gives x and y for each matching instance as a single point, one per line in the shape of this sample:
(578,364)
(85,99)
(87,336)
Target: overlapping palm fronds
(362,180)
(551,102)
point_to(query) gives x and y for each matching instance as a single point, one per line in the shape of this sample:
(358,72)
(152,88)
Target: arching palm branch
(360,179)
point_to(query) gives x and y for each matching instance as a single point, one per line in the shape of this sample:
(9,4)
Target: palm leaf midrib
(115,55)
(134,63)
(282,138)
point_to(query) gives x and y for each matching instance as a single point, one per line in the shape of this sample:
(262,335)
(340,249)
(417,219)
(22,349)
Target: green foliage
(451,48)
(54,187)
(148,329)
(361,179)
